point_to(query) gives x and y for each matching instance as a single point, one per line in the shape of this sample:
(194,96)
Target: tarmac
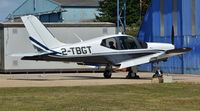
(85,79)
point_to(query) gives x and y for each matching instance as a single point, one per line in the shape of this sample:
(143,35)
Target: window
(123,43)
(110,43)
(128,43)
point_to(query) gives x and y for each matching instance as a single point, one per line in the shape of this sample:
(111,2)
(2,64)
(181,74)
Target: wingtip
(187,49)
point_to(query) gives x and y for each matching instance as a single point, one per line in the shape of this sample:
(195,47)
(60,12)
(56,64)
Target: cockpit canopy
(123,43)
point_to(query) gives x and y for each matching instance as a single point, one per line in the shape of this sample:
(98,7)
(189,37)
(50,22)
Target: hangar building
(58,10)
(184,17)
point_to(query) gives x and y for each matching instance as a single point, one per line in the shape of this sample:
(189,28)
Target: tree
(107,9)
(108,13)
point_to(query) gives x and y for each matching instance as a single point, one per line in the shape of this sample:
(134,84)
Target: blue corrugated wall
(184,15)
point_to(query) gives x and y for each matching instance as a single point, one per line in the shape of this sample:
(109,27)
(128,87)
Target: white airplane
(120,50)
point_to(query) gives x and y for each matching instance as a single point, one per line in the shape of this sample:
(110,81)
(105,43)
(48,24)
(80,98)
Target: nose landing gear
(158,72)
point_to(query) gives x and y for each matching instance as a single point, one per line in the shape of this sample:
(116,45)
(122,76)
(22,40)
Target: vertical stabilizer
(39,35)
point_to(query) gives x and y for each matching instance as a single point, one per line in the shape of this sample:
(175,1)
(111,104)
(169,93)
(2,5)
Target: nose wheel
(158,72)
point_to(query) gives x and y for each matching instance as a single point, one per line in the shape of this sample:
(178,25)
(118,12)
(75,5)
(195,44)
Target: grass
(144,97)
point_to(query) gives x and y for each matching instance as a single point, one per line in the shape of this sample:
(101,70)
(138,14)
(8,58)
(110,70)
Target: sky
(8,6)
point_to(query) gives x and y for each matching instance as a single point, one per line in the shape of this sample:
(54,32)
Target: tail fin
(39,35)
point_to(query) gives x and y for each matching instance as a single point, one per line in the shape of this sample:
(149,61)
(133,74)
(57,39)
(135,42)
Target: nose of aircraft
(160,46)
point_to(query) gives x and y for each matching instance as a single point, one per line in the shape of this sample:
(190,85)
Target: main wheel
(107,74)
(132,75)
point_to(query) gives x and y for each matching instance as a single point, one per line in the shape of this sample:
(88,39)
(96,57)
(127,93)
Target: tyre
(132,75)
(107,74)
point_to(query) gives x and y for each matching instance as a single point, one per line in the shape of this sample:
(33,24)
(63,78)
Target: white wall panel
(16,42)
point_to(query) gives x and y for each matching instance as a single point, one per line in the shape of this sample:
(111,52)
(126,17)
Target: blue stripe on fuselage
(38,43)
(43,46)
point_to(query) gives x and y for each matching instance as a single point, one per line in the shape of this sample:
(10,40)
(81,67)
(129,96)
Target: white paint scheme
(89,49)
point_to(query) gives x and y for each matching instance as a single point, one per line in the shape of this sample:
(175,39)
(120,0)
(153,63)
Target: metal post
(119,20)
(34,5)
(124,16)
(118,17)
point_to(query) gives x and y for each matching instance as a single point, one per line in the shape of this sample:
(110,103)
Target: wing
(154,57)
(170,53)
(123,60)
(96,58)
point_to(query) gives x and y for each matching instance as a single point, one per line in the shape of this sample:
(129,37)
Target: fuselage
(117,50)
(111,44)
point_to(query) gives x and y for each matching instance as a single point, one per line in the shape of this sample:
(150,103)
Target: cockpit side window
(128,43)
(103,43)
(109,43)
(122,43)
(143,44)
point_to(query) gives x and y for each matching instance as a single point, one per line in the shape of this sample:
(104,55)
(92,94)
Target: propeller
(172,35)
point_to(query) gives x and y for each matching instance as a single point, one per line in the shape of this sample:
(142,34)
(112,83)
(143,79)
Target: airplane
(118,50)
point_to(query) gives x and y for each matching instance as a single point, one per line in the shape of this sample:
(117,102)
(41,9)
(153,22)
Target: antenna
(78,37)
(120,33)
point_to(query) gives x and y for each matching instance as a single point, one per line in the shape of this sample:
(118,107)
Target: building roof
(78,3)
(64,24)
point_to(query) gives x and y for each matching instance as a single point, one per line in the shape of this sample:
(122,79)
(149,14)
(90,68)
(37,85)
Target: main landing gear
(108,71)
(132,73)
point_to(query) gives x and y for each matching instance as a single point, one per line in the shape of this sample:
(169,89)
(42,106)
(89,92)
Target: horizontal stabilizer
(33,56)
